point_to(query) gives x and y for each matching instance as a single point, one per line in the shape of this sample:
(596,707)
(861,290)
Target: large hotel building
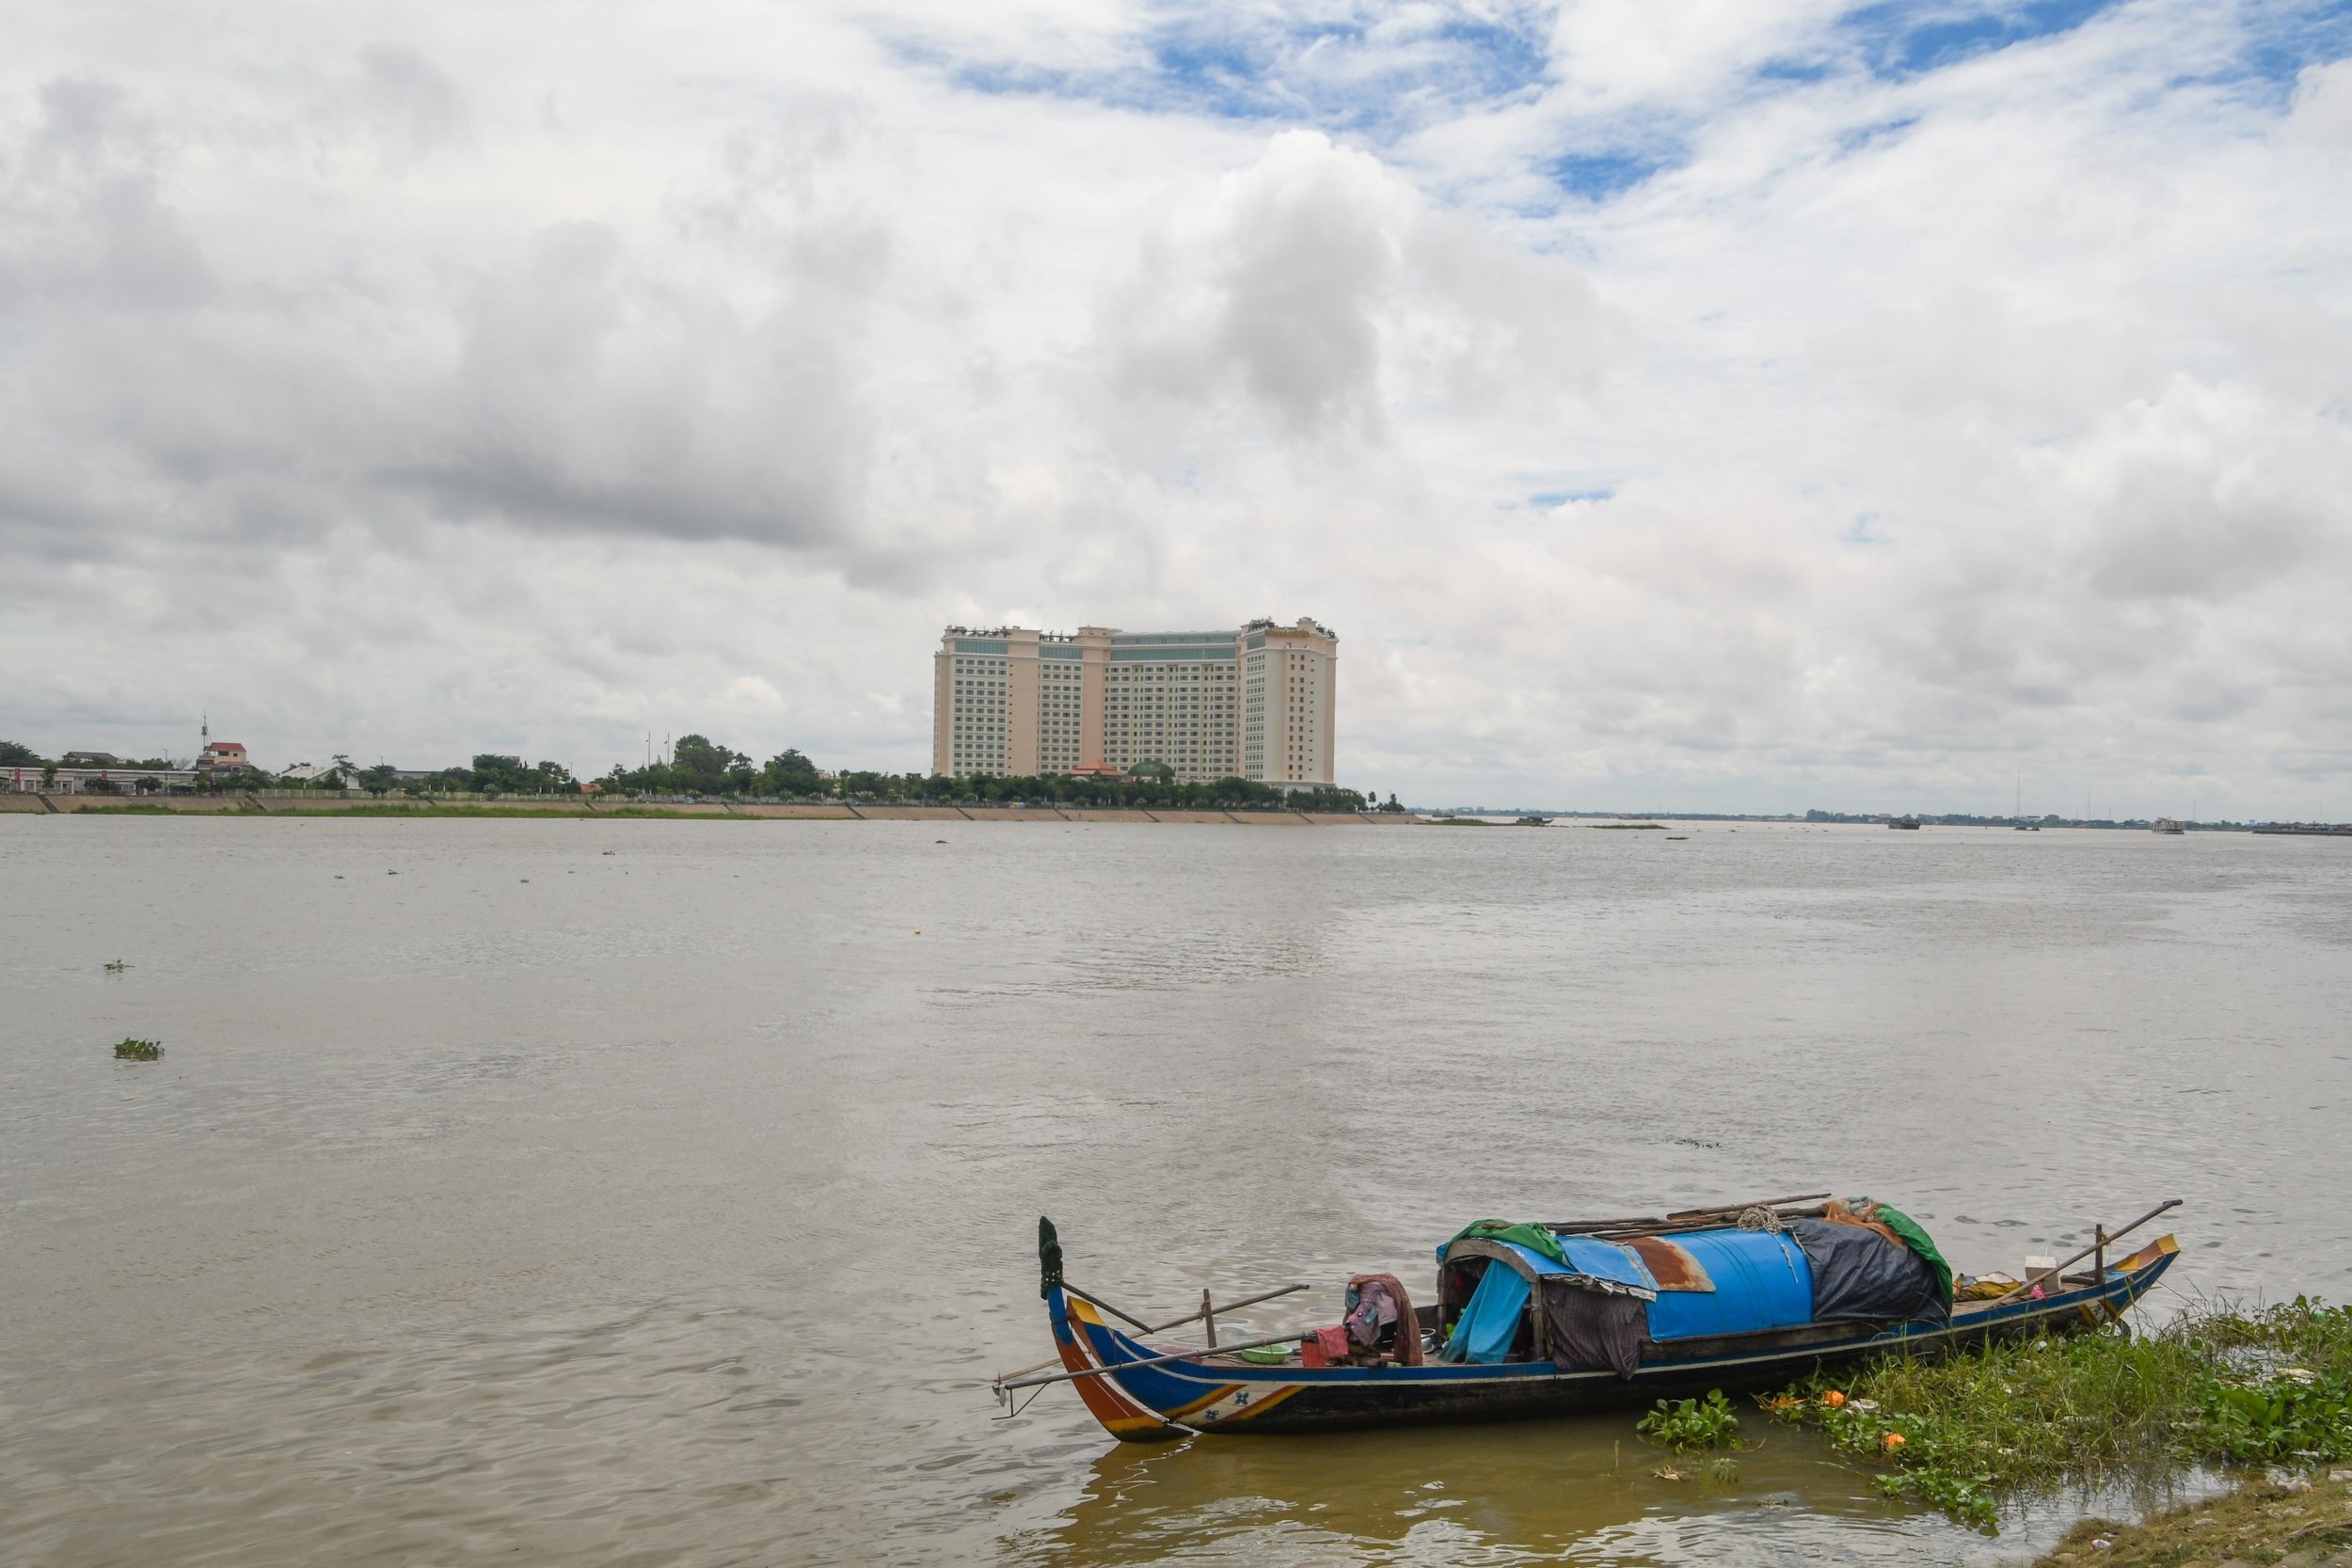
(1252,703)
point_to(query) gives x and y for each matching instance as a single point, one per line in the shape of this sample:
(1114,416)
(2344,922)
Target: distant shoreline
(570,808)
(577,808)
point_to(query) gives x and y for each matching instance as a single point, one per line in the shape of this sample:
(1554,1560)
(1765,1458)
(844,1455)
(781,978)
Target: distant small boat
(1552,1320)
(2165,825)
(1532,822)
(1909,824)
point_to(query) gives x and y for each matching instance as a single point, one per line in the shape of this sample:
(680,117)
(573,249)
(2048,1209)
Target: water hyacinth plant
(2216,1386)
(139,1051)
(1685,1424)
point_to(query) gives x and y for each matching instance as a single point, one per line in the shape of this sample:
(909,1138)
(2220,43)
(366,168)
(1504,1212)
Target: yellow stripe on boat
(1120,1416)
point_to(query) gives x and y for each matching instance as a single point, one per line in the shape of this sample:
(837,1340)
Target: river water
(665,1192)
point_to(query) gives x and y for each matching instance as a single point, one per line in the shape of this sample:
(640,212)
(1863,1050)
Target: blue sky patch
(1599,176)
(2297,36)
(1860,137)
(1337,73)
(1345,73)
(1900,39)
(1549,499)
(1793,71)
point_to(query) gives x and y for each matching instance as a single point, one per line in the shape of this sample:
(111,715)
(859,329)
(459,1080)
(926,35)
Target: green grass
(148,808)
(2259,1523)
(139,1051)
(2216,1386)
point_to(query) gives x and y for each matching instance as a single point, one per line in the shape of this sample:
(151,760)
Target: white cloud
(1724,406)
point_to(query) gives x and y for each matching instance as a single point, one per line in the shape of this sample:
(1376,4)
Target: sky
(1707,405)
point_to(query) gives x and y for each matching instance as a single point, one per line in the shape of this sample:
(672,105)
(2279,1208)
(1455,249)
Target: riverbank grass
(2265,1523)
(2217,1387)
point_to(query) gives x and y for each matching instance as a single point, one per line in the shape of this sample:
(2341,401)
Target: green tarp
(1535,1238)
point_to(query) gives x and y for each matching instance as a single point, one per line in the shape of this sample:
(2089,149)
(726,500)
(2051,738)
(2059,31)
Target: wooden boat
(1144,1391)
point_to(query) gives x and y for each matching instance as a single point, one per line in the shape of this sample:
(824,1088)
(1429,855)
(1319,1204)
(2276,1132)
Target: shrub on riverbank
(2215,1386)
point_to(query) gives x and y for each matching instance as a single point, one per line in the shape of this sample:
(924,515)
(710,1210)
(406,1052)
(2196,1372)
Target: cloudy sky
(1717,404)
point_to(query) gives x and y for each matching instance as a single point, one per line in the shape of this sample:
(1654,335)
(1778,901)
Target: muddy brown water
(653,1192)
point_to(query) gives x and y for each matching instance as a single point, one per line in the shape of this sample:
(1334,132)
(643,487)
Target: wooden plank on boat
(1681,1219)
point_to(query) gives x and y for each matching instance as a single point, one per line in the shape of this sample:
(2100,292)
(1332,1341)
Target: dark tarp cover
(1586,1329)
(1858,1276)
(1909,1231)
(1527,1234)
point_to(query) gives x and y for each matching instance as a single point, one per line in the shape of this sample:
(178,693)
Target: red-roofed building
(223,756)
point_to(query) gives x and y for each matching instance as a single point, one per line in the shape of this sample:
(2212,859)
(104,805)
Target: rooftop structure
(222,756)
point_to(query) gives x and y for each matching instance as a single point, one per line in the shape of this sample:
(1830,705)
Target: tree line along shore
(272,804)
(695,771)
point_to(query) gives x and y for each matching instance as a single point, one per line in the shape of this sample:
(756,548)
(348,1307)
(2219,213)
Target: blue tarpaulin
(1761,1281)
(1620,1265)
(1595,1260)
(1486,1325)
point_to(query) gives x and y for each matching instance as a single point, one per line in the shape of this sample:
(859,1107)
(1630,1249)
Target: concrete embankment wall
(249,805)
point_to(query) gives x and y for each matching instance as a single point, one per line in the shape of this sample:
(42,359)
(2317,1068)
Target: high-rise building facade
(1254,704)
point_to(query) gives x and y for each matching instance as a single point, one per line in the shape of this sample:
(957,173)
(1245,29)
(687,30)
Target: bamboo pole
(1680,1216)
(1178,1322)
(2099,1245)
(1106,1306)
(1005,1384)
(1229,1307)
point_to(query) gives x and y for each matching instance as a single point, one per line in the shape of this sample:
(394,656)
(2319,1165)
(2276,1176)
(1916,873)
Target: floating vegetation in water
(2215,1386)
(116,966)
(139,1051)
(1682,1424)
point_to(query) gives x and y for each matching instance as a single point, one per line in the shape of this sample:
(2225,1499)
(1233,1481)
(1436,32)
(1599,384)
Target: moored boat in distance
(1563,1318)
(2165,825)
(1909,823)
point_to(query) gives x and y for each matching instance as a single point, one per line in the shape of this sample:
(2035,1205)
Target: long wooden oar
(2102,1243)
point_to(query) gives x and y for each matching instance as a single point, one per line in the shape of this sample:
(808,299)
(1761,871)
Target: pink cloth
(1367,1289)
